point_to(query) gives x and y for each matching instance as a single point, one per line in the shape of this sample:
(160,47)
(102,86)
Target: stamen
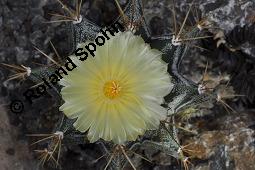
(112,89)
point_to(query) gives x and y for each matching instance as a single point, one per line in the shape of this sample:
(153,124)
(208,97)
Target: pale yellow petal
(137,79)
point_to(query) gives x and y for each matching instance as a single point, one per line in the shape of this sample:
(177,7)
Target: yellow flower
(116,95)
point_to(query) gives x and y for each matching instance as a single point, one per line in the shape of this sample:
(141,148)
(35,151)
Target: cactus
(184,100)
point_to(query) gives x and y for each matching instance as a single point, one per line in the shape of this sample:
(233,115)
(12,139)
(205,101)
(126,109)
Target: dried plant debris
(233,59)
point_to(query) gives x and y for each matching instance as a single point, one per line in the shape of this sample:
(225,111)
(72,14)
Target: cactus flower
(117,95)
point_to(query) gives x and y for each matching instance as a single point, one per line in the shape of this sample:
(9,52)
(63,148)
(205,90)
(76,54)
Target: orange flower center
(112,89)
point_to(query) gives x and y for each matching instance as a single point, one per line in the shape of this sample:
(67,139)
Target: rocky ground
(224,141)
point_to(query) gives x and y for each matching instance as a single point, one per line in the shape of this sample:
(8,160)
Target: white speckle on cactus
(201,89)
(78,20)
(59,134)
(28,70)
(176,41)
